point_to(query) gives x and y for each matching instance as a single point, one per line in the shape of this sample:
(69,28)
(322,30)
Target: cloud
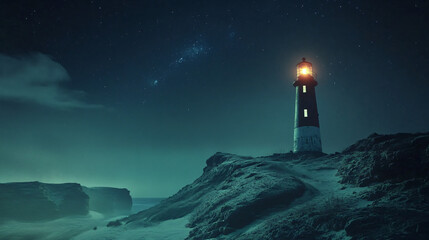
(38,79)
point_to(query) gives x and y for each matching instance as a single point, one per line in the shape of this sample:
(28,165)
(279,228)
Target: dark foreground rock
(109,200)
(377,188)
(40,201)
(380,158)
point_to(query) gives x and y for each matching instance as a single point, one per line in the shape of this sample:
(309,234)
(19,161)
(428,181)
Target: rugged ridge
(377,188)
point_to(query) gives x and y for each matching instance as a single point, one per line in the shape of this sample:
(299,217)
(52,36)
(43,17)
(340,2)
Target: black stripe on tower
(306,102)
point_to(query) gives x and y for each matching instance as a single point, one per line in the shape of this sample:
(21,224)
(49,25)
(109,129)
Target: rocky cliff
(377,188)
(109,200)
(31,201)
(40,201)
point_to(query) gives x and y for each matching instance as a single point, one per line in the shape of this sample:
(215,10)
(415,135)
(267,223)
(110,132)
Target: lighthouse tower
(306,132)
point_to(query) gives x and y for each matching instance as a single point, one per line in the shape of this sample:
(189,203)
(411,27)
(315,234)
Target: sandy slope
(167,230)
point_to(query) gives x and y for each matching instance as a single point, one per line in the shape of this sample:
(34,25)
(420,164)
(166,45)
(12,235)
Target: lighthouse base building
(307,139)
(306,131)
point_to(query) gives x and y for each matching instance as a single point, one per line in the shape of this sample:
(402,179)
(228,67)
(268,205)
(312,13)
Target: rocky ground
(377,188)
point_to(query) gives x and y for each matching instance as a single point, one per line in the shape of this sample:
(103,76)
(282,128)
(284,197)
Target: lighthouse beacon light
(304,68)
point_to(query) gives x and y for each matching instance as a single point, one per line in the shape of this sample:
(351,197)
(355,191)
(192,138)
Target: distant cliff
(32,201)
(40,201)
(109,200)
(377,188)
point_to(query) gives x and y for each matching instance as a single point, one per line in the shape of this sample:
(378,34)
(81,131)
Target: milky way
(190,53)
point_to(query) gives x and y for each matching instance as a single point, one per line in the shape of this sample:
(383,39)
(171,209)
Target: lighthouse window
(305,113)
(304,89)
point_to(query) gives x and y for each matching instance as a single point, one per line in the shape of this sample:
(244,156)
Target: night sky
(138,94)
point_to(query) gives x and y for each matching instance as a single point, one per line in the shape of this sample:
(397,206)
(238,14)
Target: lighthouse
(306,135)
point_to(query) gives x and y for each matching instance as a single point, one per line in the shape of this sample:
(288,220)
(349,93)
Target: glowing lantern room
(304,68)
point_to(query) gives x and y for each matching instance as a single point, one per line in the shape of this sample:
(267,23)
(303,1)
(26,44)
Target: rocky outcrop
(380,158)
(247,191)
(29,201)
(233,192)
(377,188)
(109,200)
